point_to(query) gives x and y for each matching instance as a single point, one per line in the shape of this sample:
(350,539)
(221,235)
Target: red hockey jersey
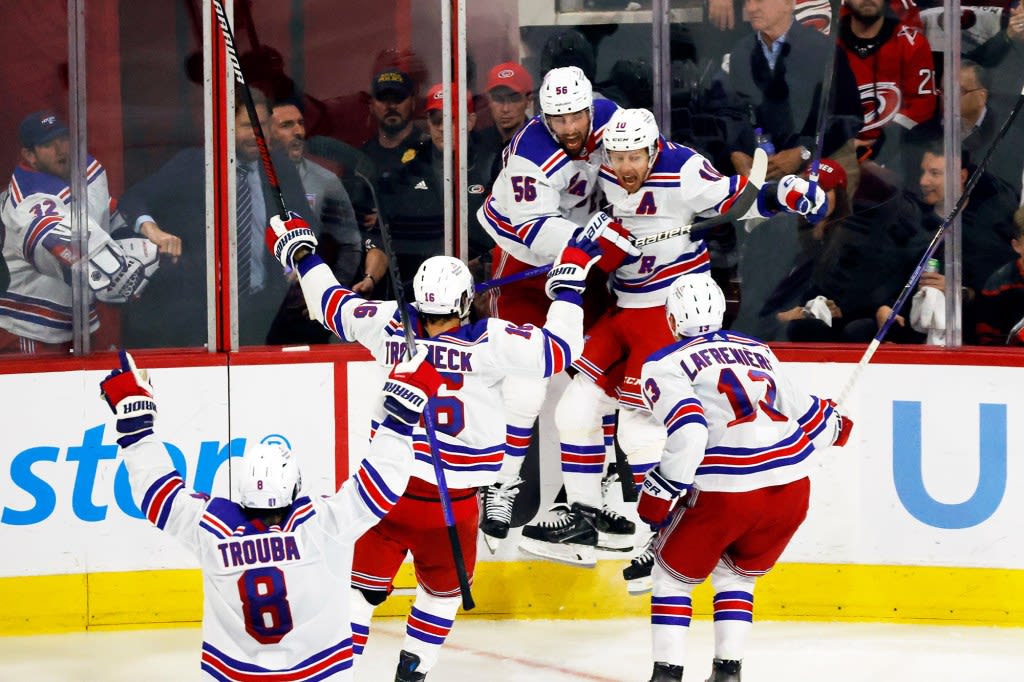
(895,74)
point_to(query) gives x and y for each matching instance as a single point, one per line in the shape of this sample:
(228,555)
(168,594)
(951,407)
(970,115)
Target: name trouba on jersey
(259,550)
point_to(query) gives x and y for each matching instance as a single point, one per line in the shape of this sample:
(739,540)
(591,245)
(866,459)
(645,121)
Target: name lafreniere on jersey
(724,355)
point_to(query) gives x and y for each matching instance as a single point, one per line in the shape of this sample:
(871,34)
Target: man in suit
(772,79)
(174,312)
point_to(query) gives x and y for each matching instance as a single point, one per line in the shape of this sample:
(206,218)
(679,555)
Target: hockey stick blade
(739,208)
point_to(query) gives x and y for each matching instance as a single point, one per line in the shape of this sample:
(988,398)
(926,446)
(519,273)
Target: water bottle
(764,141)
(932,265)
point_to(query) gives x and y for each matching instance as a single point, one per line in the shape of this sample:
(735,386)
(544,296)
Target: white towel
(928,314)
(818,307)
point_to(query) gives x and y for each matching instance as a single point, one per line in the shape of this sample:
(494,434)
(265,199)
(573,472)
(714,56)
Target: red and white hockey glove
(409,386)
(844,427)
(568,277)
(616,247)
(793,197)
(130,396)
(657,497)
(285,238)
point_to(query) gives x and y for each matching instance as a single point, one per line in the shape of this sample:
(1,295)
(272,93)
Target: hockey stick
(940,234)
(250,108)
(739,208)
(823,102)
(428,417)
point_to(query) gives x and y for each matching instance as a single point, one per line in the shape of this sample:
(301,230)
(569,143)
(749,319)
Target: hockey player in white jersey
(652,185)
(272,558)
(546,190)
(36,311)
(743,437)
(468,413)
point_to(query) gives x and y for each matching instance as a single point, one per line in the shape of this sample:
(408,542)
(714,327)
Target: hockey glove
(844,427)
(792,196)
(130,396)
(285,238)
(568,278)
(409,386)
(657,497)
(616,247)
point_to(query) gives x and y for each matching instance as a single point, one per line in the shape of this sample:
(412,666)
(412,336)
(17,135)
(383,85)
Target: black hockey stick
(823,103)
(428,417)
(940,234)
(250,108)
(739,208)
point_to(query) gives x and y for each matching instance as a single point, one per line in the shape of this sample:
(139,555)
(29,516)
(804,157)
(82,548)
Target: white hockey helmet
(695,305)
(268,478)
(565,90)
(631,129)
(443,286)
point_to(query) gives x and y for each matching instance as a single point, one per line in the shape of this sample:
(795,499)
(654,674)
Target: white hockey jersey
(542,195)
(36,211)
(275,601)
(681,185)
(734,422)
(468,410)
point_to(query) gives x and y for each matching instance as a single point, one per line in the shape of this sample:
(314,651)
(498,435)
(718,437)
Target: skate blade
(639,586)
(610,542)
(492,543)
(573,555)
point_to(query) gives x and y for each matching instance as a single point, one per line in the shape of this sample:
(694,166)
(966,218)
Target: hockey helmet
(269,477)
(695,305)
(630,129)
(443,286)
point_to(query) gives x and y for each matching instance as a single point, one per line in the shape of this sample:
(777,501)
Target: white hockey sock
(642,438)
(361,614)
(428,625)
(523,398)
(734,611)
(579,418)
(670,617)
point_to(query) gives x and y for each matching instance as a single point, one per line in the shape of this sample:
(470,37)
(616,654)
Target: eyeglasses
(967,92)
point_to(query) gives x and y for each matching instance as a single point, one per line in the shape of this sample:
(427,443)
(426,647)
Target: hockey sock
(734,611)
(362,613)
(670,616)
(642,438)
(428,626)
(523,398)
(579,418)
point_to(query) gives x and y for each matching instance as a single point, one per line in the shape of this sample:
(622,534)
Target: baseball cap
(830,175)
(435,99)
(39,128)
(392,80)
(510,75)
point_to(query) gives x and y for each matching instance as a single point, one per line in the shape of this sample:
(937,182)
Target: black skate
(725,671)
(497,512)
(407,664)
(638,574)
(571,538)
(615,531)
(663,672)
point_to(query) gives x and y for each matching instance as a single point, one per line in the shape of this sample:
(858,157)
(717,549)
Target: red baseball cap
(510,75)
(830,175)
(435,99)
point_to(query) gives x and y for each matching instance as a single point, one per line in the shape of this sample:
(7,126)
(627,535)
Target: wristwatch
(805,153)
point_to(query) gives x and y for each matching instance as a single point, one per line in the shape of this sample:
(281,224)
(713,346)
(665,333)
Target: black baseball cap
(39,128)
(392,80)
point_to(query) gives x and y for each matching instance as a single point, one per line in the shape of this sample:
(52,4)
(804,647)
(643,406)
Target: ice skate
(407,665)
(497,512)
(571,538)
(663,672)
(638,574)
(725,671)
(614,531)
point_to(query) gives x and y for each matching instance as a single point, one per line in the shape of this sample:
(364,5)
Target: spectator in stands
(36,311)
(1001,302)
(175,312)
(980,120)
(510,97)
(892,64)
(412,196)
(771,80)
(392,104)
